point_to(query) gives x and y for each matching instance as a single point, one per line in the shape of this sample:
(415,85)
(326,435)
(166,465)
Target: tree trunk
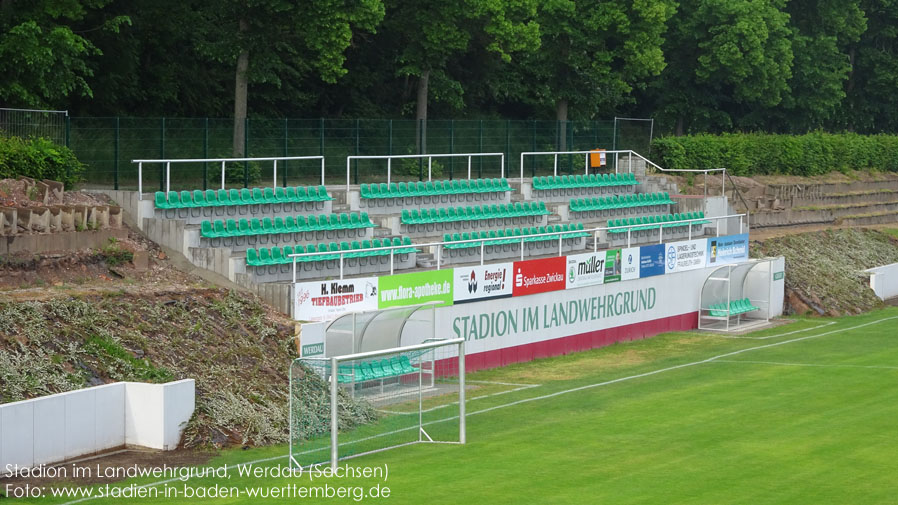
(561,116)
(679,131)
(241,84)
(421,114)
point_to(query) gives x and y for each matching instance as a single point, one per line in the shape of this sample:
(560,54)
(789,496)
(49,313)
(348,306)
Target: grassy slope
(717,432)
(825,269)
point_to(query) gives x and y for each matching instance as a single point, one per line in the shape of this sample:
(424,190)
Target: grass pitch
(803,413)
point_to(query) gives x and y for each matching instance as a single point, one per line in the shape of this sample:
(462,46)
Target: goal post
(347,406)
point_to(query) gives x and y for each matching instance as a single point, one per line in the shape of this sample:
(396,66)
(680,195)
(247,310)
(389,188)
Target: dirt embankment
(825,269)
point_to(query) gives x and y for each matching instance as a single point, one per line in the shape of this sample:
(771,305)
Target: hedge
(748,154)
(39,159)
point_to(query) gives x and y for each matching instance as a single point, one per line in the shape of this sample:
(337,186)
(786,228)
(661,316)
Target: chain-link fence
(107,146)
(29,123)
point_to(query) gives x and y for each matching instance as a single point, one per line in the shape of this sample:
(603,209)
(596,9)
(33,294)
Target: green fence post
(321,137)
(570,146)
(507,146)
(246,152)
(421,126)
(286,149)
(205,152)
(68,129)
(480,158)
(115,161)
(356,151)
(162,156)
(533,148)
(451,145)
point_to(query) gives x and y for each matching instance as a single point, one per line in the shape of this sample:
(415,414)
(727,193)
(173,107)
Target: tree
(277,42)
(42,59)
(725,58)
(871,101)
(822,33)
(433,33)
(593,53)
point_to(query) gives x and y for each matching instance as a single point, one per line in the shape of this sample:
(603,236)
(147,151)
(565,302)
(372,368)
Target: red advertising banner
(539,276)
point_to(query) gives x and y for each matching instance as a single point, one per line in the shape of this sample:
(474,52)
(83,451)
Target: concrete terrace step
(825,214)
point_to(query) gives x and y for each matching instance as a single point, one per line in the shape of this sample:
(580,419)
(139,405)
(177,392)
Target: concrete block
(67,218)
(115,217)
(55,218)
(9,221)
(56,189)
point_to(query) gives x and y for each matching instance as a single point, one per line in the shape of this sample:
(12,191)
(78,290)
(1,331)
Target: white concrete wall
(87,421)
(884,281)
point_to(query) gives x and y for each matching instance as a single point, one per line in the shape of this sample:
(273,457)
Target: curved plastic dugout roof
(374,330)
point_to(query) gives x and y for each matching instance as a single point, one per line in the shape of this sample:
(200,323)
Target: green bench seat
(476,212)
(364,371)
(510,235)
(265,256)
(736,307)
(618,202)
(433,188)
(550,182)
(654,222)
(245,196)
(289,224)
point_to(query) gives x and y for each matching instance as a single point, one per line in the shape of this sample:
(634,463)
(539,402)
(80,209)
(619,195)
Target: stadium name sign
(555,315)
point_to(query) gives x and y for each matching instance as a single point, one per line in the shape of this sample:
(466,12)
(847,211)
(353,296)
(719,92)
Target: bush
(238,173)
(39,159)
(748,154)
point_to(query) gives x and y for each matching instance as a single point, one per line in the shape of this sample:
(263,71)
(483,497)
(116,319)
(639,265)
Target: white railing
(428,157)
(223,161)
(617,154)
(561,236)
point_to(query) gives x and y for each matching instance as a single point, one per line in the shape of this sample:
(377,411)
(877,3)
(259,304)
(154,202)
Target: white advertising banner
(585,269)
(685,255)
(630,263)
(326,300)
(547,316)
(482,282)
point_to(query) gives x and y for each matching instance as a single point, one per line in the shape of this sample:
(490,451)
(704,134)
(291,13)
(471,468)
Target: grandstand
(268,238)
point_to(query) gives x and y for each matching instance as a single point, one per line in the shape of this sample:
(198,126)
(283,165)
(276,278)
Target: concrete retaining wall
(62,241)
(63,426)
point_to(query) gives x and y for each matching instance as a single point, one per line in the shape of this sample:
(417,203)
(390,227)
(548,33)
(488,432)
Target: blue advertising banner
(651,260)
(727,249)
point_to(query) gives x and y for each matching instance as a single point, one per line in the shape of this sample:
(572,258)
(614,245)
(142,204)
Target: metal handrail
(429,157)
(594,231)
(169,161)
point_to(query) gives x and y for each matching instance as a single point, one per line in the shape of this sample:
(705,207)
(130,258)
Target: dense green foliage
(39,159)
(757,153)
(696,65)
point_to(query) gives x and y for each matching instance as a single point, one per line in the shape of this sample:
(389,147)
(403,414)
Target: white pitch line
(781,334)
(805,364)
(558,393)
(520,388)
(676,367)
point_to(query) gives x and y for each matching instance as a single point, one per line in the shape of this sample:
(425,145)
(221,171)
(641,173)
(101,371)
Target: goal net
(348,406)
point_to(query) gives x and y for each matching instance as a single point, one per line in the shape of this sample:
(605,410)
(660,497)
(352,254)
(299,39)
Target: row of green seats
(736,307)
(245,196)
(654,222)
(618,202)
(507,236)
(375,369)
(449,214)
(281,255)
(583,181)
(265,226)
(431,188)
